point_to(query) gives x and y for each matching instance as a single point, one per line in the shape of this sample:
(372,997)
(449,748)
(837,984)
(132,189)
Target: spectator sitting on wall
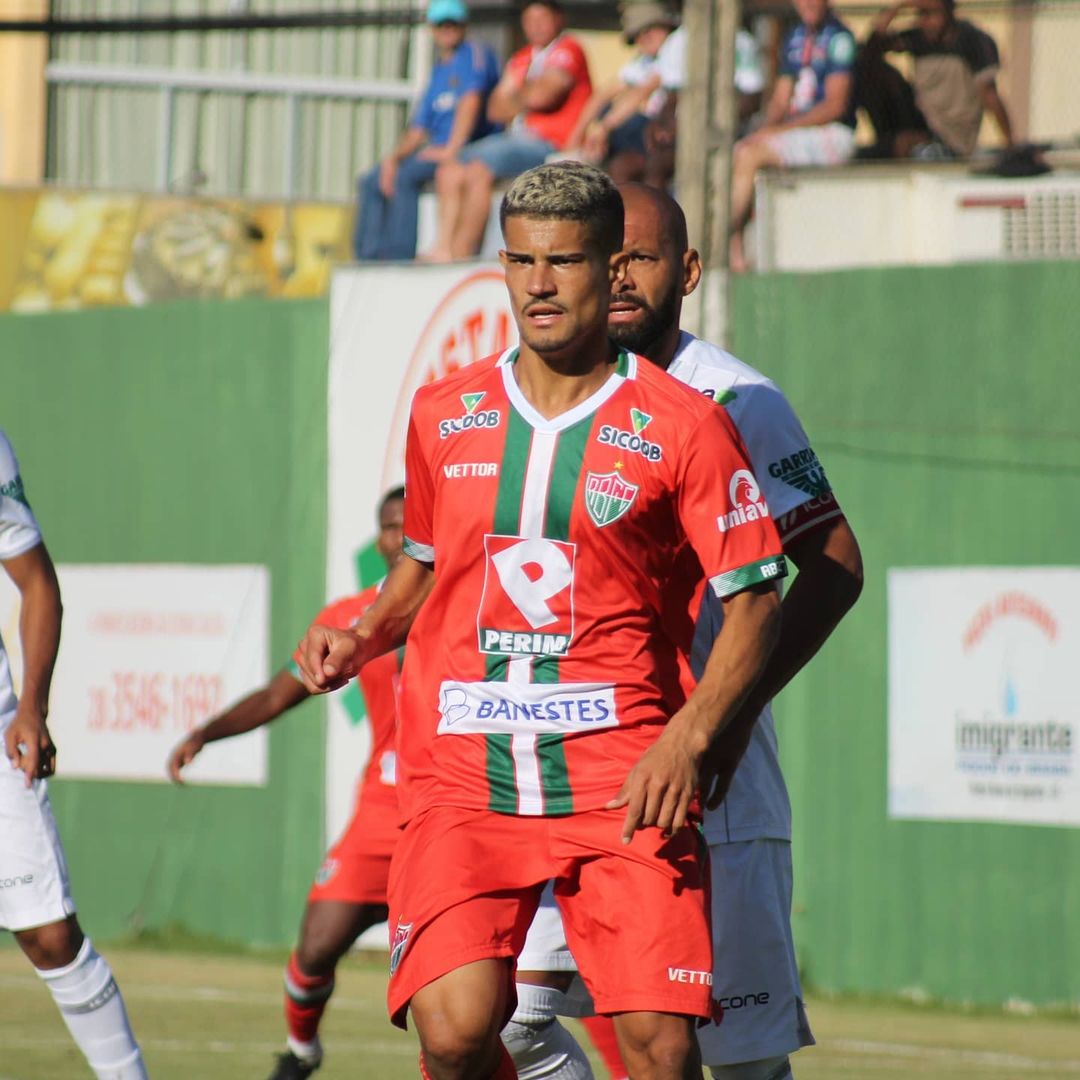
(671,67)
(810,118)
(611,129)
(939,114)
(543,89)
(451,113)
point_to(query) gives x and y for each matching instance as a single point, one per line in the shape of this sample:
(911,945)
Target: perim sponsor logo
(802,471)
(633,441)
(474,417)
(527,608)
(747,504)
(607,497)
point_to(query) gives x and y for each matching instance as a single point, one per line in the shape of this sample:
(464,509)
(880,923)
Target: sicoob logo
(488,418)
(632,440)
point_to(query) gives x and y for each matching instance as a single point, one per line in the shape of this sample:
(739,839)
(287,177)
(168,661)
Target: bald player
(748,821)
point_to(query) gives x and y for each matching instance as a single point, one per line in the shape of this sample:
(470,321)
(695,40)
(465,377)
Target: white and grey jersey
(791,478)
(19,533)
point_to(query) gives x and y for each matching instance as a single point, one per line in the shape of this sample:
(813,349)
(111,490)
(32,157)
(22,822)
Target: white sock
(308,1052)
(541,1047)
(90,1003)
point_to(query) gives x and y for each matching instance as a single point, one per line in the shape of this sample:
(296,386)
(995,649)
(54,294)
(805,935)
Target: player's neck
(555,383)
(662,351)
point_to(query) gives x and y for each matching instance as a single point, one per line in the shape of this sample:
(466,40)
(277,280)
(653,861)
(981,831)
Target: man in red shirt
(543,89)
(349,892)
(562,496)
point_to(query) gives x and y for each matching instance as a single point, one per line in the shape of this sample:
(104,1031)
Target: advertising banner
(77,249)
(983,708)
(147,653)
(392,330)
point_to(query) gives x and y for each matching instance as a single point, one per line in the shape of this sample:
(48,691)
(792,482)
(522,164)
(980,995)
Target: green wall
(190,433)
(945,404)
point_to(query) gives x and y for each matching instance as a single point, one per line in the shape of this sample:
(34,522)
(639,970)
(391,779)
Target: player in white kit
(35,900)
(748,823)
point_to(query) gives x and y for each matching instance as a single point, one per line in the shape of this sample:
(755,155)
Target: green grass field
(218,1017)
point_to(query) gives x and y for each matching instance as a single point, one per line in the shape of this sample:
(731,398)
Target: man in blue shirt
(810,119)
(451,113)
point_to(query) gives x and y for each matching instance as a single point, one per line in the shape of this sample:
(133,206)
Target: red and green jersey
(562,549)
(378,680)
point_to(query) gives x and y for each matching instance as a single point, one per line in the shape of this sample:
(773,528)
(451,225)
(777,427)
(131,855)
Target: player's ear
(503,257)
(691,271)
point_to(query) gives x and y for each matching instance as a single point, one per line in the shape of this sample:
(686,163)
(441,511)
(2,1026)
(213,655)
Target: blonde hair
(569,191)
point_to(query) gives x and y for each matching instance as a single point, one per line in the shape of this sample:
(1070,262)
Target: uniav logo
(746,501)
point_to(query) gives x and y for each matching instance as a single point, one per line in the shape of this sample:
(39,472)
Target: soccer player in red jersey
(349,892)
(562,496)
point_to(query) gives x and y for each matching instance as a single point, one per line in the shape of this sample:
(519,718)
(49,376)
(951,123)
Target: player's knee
(666,1047)
(455,1050)
(54,945)
(545,1050)
(774,1068)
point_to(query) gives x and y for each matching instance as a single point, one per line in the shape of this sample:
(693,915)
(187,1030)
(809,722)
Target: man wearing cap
(611,129)
(451,113)
(539,98)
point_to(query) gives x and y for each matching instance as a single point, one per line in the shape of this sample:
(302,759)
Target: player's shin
(93,1010)
(541,1047)
(305,1002)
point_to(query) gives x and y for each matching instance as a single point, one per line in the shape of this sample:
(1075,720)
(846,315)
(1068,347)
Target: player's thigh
(464,886)
(636,917)
(34,886)
(755,973)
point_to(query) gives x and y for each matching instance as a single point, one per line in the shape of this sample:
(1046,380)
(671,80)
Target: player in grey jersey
(35,900)
(748,822)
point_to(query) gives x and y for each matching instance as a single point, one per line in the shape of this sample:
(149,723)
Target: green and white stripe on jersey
(538,479)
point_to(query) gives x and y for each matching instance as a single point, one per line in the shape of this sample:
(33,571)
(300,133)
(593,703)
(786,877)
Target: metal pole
(165,123)
(706,135)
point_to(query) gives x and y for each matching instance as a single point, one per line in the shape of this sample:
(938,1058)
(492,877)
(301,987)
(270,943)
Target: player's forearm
(256,709)
(996,106)
(545,93)
(504,104)
(884,19)
(465,116)
(39,631)
(739,656)
(629,103)
(386,624)
(412,139)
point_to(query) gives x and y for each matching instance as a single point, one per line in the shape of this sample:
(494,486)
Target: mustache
(532,305)
(631,298)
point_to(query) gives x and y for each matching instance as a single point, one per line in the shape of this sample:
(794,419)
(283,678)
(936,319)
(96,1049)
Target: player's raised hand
(329,658)
(659,789)
(29,745)
(184,753)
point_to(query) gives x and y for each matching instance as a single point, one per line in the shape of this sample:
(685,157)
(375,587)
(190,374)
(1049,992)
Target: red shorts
(356,869)
(464,886)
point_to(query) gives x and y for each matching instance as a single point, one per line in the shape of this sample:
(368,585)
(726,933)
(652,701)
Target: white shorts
(829,144)
(755,976)
(546,950)
(34,887)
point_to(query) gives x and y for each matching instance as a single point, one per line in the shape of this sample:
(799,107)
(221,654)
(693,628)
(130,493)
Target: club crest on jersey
(473,417)
(802,471)
(607,497)
(746,501)
(633,441)
(397,946)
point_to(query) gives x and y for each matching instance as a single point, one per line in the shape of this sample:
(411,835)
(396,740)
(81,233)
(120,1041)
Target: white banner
(147,653)
(983,707)
(392,330)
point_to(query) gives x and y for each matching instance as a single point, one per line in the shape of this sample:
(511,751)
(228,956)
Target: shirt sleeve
(749,71)
(723,510)
(981,53)
(424,113)
(19,531)
(841,53)
(568,57)
(788,64)
(419,499)
(796,488)
(671,61)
